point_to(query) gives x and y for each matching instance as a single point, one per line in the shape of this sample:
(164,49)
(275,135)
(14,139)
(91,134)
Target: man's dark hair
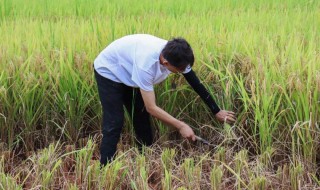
(178,53)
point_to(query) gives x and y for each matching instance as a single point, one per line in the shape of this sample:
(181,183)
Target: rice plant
(7,181)
(216,177)
(257,58)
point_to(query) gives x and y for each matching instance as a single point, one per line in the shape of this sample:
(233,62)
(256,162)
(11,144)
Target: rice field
(260,59)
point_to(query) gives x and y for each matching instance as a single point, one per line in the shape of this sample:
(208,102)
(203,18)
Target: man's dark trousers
(114,96)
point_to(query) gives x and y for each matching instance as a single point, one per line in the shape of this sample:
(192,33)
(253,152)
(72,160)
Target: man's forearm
(154,110)
(201,91)
(165,117)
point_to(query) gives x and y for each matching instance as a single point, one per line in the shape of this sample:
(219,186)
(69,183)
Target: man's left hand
(226,116)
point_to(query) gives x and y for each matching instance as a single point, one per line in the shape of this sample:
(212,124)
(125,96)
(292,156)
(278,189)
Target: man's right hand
(186,131)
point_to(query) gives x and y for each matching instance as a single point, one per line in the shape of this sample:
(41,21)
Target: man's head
(178,53)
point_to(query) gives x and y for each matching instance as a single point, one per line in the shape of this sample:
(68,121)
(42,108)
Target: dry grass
(168,165)
(257,58)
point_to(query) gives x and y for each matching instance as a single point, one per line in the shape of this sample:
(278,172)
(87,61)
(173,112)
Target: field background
(260,59)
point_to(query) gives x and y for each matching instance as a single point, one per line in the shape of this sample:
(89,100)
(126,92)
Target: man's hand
(186,131)
(226,116)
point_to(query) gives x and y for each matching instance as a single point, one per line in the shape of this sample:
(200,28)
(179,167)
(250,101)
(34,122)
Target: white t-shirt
(134,61)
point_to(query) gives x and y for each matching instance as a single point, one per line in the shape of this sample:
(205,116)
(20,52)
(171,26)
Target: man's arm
(221,115)
(154,110)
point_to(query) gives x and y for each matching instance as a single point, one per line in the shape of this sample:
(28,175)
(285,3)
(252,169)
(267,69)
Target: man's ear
(165,63)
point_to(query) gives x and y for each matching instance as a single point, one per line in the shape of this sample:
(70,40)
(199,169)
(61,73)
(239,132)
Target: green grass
(258,58)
